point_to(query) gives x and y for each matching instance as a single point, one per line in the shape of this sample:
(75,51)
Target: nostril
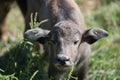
(62,59)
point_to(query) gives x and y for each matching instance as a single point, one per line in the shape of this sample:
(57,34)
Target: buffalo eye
(76,42)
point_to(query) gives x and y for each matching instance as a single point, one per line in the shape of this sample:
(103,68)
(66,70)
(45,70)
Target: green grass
(104,62)
(21,60)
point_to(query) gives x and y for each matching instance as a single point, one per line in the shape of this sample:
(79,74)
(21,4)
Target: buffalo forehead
(65,32)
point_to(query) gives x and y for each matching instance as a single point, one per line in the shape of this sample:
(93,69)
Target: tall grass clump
(24,60)
(8,77)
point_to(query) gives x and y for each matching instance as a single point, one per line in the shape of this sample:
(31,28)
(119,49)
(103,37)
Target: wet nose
(62,59)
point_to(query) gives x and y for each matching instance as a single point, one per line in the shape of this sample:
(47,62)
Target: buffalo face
(64,42)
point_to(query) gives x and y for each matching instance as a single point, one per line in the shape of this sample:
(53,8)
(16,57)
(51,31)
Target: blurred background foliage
(20,60)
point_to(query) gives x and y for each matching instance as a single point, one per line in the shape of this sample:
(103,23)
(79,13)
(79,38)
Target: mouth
(63,65)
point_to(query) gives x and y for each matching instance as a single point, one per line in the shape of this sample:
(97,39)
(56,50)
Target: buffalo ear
(92,35)
(37,34)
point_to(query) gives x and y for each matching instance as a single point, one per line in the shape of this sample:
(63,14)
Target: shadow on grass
(24,60)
